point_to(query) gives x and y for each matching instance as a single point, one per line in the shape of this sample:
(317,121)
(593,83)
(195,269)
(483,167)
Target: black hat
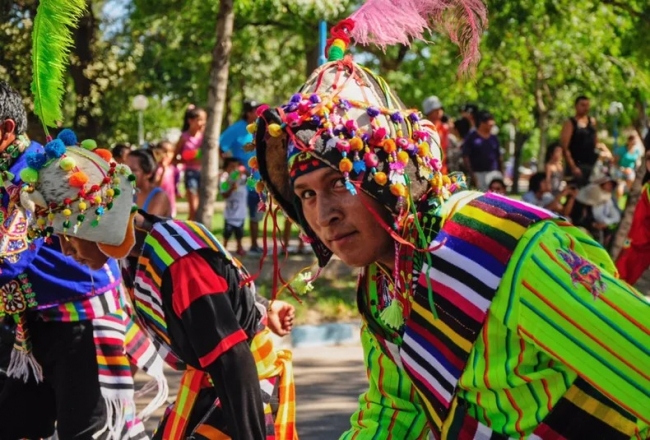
(250,105)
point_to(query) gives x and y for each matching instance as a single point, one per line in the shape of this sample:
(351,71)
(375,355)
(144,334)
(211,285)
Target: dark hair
(229,160)
(580,98)
(191,113)
(550,149)
(147,162)
(497,180)
(11,107)
(535,182)
(118,150)
(484,117)
(248,107)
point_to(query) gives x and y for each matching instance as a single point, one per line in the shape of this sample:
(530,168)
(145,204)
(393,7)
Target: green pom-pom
(116,192)
(66,224)
(81,218)
(94,223)
(29,175)
(301,284)
(67,163)
(134,208)
(89,144)
(393,315)
(131,178)
(335,54)
(109,205)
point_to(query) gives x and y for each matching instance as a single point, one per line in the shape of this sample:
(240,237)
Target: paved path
(329,381)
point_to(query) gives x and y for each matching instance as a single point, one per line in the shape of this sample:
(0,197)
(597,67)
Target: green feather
(51,43)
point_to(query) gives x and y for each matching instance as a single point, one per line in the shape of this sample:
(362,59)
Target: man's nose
(328,210)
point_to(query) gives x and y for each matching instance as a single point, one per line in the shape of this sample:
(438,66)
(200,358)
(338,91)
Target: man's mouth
(341,237)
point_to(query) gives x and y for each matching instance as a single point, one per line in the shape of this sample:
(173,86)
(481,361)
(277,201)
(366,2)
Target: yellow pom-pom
(67,163)
(423,149)
(41,221)
(403,157)
(275,130)
(116,180)
(66,212)
(381,178)
(446,180)
(97,200)
(252,162)
(50,216)
(110,192)
(345,166)
(251,128)
(356,144)
(82,206)
(398,190)
(29,175)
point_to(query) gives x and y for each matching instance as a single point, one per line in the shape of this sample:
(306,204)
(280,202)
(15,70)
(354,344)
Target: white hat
(77,192)
(430,104)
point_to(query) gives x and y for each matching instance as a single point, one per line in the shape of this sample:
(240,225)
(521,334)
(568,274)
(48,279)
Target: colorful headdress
(78,191)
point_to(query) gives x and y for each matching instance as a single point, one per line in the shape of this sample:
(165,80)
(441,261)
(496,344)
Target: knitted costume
(499,320)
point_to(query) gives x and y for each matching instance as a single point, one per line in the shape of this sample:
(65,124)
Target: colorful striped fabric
(475,246)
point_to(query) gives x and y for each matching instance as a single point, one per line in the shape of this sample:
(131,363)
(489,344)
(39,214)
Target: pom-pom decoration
(29,175)
(55,149)
(393,315)
(68,137)
(78,179)
(104,154)
(36,160)
(89,144)
(67,163)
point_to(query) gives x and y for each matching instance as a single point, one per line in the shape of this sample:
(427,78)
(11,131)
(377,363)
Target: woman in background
(189,148)
(149,197)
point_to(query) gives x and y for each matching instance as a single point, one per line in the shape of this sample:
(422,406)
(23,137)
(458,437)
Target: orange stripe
(623,313)
(520,360)
(592,383)
(520,414)
(583,330)
(486,379)
(223,346)
(549,398)
(211,432)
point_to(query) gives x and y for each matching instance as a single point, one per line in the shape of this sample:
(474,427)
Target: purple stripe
(505,203)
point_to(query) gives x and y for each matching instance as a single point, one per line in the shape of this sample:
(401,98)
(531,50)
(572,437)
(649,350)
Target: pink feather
(389,22)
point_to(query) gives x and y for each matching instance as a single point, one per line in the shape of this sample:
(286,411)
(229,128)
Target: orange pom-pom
(78,179)
(104,154)
(389,146)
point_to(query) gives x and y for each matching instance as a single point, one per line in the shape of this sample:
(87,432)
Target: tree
(216,103)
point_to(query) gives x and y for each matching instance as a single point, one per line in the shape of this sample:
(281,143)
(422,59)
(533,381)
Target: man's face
(83,251)
(435,115)
(342,221)
(582,107)
(488,125)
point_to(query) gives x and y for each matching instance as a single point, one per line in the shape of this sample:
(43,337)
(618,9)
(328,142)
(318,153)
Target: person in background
(232,143)
(634,258)
(189,149)
(498,186)
(579,139)
(553,168)
(233,189)
(539,194)
(120,151)
(149,196)
(482,153)
(594,209)
(467,121)
(168,175)
(626,158)
(434,112)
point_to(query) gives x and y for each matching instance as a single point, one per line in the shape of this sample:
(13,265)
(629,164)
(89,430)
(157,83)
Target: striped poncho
(534,336)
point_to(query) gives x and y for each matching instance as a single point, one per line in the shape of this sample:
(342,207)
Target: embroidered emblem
(13,228)
(16,296)
(583,272)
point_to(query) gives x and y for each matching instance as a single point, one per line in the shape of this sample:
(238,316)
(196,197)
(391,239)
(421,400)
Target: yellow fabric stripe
(444,328)
(515,230)
(601,412)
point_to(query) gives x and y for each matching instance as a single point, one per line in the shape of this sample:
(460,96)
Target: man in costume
(193,298)
(483,317)
(69,323)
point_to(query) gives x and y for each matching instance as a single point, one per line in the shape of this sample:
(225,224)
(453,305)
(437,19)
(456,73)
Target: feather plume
(51,43)
(389,22)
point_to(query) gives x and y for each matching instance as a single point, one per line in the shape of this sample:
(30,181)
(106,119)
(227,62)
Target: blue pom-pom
(35,160)
(351,188)
(359,166)
(68,137)
(55,149)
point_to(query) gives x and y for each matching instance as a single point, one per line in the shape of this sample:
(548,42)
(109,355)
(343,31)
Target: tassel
(390,22)
(393,315)
(22,363)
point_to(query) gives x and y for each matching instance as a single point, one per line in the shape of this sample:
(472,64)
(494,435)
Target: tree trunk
(520,141)
(85,123)
(216,102)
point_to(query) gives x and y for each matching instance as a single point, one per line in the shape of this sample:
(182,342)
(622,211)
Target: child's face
(198,123)
(168,154)
(557,154)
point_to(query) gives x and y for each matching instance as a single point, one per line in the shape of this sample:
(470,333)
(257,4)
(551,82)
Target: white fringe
(116,416)
(22,365)
(159,399)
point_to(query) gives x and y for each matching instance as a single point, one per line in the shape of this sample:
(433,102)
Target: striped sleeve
(200,300)
(565,300)
(390,408)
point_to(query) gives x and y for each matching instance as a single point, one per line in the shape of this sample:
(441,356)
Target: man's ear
(8,128)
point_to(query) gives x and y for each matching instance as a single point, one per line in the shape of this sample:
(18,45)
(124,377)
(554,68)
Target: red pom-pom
(94,188)
(107,180)
(52,205)
(103,153)
(78,179)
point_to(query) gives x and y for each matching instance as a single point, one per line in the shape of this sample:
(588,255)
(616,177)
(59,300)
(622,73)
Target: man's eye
(307,194)
(339,183)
